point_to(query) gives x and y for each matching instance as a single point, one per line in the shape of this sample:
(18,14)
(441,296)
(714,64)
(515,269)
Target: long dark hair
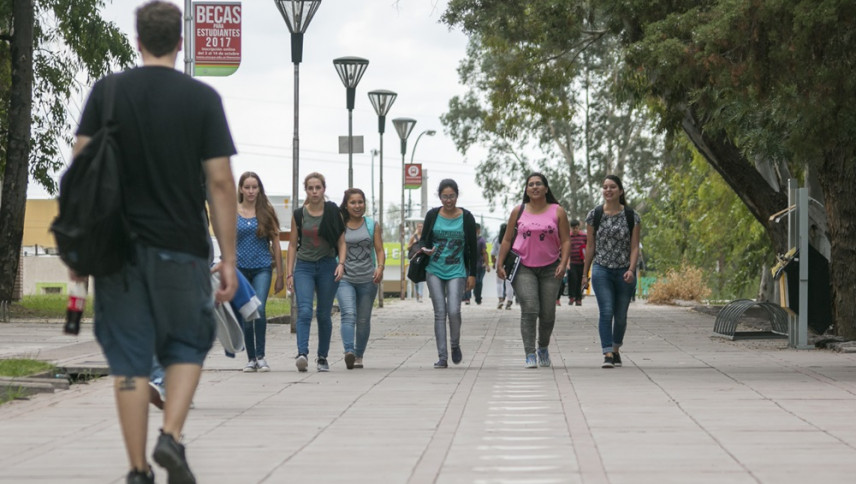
(344,206)
(265,214)
(549,195)
(622,200)
(448,183)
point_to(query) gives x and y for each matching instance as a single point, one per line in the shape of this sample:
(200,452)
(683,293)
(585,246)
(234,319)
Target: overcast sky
(410,53)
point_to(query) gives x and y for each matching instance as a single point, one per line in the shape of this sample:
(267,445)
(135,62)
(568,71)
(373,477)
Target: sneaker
(467,302)
(441,364)
(262,365)
(616,359)
(156,396)
(570,301)
(508,305)
(350,358)
(301,362)
(322,364)
(140,477)
(578,303)
(543,357)
(608,362)
(558,302)
(358,362)
(169,454)
(501,302)
(252,367)
(531,361)
(457,356)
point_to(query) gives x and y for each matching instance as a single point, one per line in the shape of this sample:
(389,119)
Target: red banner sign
(217,47)
(412,175)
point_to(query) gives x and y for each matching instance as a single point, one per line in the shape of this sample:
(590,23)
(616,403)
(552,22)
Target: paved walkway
(686,407)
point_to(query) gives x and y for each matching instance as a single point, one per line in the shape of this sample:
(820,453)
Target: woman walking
(258,249)
(412,247)
(612,233)
(538,232)
(363,271)
(449,238)
(315,267)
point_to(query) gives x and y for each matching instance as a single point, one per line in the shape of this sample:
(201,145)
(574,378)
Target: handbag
(418,264)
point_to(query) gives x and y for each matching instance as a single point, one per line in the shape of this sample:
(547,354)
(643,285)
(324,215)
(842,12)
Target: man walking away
(173,135)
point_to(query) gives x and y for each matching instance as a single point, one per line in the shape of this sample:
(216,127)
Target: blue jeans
(254,331)
(355,303)
(613,298)
(315,279)
(479,285)
(446,298)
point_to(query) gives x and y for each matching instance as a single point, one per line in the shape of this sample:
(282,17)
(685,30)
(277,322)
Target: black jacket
(331,226)
(471,246)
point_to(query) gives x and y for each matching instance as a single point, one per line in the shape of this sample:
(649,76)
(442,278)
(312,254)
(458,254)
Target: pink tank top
(537,241)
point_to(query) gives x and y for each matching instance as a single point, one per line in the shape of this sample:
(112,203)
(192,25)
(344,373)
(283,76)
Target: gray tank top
(313,247)
(359,265)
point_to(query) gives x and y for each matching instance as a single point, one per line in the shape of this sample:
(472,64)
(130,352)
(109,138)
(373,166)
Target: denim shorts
(162,304)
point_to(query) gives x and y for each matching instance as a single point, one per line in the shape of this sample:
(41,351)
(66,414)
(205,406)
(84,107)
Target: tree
(763,90)
(51,42)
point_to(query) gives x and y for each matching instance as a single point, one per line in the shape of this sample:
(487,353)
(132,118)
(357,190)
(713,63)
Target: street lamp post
(381,101)
(297,15)
(351,70)
(429,132)
(403,126)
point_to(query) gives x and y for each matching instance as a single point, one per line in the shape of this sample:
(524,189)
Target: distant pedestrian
(613,246)
(504,291)
(482,267)
(172,136)
(577,263)
(316,264)
(412,248)
(363,271)
(543,244)
(449,237)
(258,251)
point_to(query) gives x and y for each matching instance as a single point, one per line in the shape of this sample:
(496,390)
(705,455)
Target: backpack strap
(370,226)
(598,214)
(628,214)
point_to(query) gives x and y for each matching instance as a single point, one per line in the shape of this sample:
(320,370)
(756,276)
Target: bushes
(688,285)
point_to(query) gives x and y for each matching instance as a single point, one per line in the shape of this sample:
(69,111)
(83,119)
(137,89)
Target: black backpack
(628,214)
(91,231)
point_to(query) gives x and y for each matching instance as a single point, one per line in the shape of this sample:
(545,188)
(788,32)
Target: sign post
(217,38)
(412,176)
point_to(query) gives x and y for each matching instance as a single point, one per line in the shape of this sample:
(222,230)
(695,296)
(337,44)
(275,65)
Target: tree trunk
(836,178)
(18,153)
(740,174)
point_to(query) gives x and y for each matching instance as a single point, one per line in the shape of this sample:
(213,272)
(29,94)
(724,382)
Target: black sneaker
(457,356)
(608,362)
(441,364)
(616,359)
(169,454)
(140,477)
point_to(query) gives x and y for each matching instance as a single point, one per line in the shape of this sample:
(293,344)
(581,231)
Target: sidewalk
(685,407)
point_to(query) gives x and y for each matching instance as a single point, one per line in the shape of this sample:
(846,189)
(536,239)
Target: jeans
(478,288)
(355,304)
(613,298)
(536,289)
(254,331)
(446,298)
(315,279)
(575,281)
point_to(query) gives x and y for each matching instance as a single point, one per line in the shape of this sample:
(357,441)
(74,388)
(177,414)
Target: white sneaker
(301,362)
(262,365)
(252,367)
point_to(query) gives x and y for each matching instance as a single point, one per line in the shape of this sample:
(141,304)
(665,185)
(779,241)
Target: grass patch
(47,306)
(277,306)
(8,394)
(23,367)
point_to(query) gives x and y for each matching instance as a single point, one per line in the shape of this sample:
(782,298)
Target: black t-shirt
(169,124)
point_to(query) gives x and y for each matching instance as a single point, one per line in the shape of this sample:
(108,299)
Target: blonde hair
(317,175)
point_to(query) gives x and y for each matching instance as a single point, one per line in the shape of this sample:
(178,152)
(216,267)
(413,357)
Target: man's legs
(181,382)
(132,405)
